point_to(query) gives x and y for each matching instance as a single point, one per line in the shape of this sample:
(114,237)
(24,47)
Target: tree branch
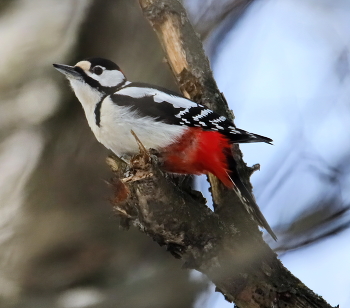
(226,245)
(177,217)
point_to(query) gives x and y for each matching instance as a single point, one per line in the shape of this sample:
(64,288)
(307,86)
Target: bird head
(99,74)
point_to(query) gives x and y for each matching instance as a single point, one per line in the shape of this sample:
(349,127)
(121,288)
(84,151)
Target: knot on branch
(189,85)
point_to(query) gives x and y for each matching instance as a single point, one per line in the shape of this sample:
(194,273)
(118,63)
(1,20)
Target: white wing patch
(158,96)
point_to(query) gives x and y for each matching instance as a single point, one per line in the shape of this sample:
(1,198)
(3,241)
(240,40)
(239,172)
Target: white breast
(118,121)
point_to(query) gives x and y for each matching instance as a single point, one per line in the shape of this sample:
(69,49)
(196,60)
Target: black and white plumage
(172,108)
(191,138)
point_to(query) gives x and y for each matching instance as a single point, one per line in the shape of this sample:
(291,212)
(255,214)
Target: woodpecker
(190,138)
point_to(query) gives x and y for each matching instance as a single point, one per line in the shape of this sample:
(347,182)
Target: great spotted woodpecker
(190,138)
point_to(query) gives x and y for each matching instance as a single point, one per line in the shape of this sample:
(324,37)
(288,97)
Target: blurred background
(284,69)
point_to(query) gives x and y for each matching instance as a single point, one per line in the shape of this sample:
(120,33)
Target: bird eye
(97,70)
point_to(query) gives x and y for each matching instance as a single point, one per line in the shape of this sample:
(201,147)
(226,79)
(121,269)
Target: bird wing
(171,108)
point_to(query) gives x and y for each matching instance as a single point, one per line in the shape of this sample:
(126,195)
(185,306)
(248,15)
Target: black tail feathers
(246,196)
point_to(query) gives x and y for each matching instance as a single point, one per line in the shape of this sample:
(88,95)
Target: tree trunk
(226,244)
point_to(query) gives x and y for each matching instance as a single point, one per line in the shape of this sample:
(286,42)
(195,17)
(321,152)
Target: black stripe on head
(95,84)
(108,64)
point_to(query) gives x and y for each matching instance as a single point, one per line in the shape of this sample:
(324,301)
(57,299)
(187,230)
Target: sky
(284,70)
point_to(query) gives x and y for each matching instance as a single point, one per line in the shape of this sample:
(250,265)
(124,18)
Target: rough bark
(226,245)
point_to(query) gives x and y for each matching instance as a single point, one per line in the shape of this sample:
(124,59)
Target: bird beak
(68,71)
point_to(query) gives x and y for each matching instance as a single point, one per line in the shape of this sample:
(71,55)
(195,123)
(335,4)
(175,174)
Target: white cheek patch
(108,78)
